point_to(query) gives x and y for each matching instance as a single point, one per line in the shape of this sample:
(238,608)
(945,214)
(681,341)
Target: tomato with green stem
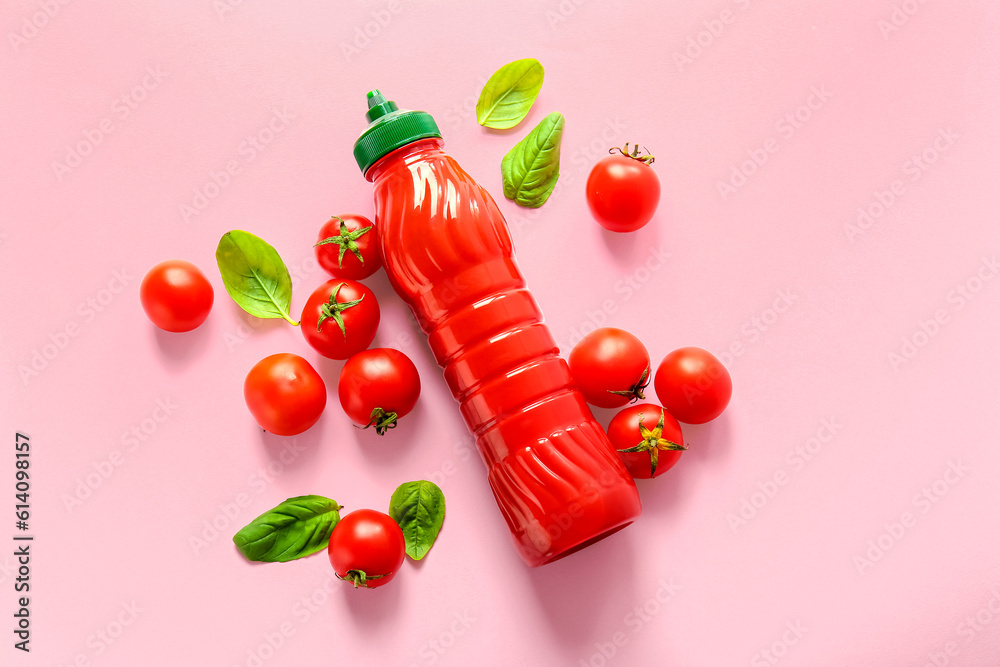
(623,191)
(285,394)
(340,318)
(611,367)
(366,548)
(648,439)
(348,247)
(377,387)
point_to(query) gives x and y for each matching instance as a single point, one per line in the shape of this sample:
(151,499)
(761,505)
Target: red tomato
(377,387)
(693,385)
(340,318)
(648,439)
(611,367)
(367,548)
(176,295)
(284,394)
(348,247)
(623,191)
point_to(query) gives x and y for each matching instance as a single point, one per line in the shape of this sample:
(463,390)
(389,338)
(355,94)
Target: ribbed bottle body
(448,254)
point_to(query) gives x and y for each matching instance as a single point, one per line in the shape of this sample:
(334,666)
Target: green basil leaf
(298,527)
(254,275)
(531,168)
(418,508)
(508,95)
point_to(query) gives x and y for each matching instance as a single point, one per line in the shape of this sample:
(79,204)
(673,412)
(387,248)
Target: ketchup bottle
(559,483)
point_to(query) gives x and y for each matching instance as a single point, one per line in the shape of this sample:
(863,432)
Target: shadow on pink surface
(396,445)
(630,249)
(372,610)
(709,442)
(180,350)
(292,453)
(565,587)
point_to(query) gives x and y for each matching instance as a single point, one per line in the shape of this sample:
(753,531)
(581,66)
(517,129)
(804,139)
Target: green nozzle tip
(378,106)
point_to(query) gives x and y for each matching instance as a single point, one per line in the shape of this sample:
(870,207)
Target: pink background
(806,311)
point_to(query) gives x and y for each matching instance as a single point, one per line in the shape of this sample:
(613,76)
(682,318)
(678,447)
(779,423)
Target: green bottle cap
(389,128)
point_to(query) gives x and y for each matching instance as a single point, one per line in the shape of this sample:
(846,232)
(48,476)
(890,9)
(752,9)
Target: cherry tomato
(693,385)
(284,394)
(176,295)
(611,367)
(377,387)
(623,191)
(340,318)
(648,439)
(348,247)
(367,548)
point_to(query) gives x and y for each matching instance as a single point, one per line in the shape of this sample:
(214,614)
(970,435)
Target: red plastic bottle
(446,249)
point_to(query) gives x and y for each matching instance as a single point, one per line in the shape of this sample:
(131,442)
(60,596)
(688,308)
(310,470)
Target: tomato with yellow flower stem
(648,439)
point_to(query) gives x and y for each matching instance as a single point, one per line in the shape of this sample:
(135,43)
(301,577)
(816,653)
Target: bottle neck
(421,149)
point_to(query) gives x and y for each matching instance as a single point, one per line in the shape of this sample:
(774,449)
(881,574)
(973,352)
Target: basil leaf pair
(301,526)
(530,170)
